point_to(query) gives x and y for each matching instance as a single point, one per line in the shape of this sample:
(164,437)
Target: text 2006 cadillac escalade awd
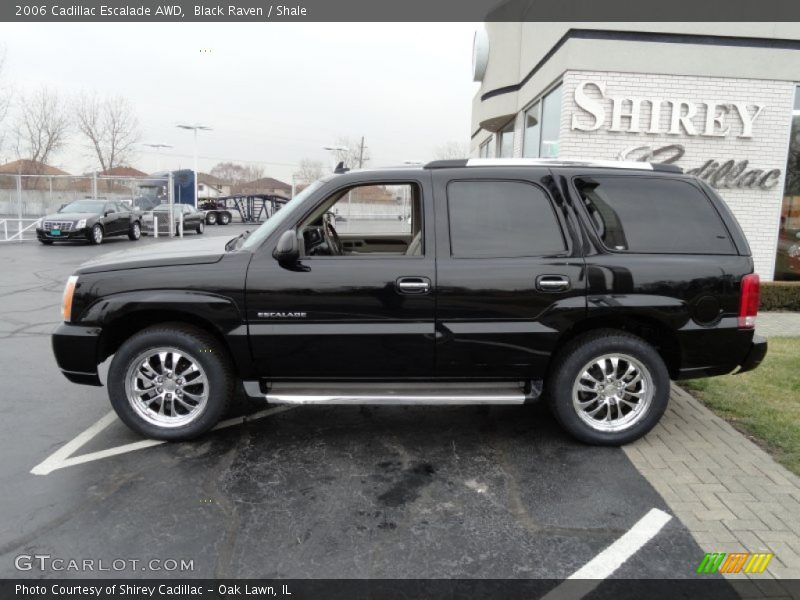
(592,284)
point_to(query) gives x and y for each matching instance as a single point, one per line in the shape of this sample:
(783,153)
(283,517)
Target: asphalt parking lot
(309,492)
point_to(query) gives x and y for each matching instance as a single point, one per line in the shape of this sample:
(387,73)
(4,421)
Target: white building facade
(703,96)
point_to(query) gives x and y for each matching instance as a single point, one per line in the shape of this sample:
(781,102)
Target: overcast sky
(273,93)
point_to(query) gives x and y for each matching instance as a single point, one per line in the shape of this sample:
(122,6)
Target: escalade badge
(281,315)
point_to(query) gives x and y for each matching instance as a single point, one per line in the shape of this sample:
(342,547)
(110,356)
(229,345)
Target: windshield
(277,220)
(83,206)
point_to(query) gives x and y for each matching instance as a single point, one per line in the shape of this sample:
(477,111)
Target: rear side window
(501,219)
(652,215)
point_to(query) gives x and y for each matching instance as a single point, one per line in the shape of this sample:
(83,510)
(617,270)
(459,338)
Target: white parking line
(62,457)
(609,560)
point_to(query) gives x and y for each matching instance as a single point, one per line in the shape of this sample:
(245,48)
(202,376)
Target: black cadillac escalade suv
(592,285)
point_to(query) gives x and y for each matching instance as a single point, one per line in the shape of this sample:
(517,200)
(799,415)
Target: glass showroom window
(532,132)
(507,140)
(551,124)
(487,149)
(787,260)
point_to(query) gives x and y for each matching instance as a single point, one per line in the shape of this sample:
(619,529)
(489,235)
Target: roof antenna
(340,168)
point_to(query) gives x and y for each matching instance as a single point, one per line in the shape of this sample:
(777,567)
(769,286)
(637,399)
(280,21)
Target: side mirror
(108,212)
(287,251)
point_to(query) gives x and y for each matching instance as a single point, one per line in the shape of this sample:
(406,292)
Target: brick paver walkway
(778,324)
(728,492)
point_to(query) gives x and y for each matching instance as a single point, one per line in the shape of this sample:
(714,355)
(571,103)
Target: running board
(392,395)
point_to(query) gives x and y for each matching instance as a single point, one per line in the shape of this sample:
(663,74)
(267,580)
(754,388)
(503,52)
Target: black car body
(191,218)
(511,277)
(89,220)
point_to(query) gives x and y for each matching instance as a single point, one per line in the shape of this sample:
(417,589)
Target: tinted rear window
(501,219)
(652,215)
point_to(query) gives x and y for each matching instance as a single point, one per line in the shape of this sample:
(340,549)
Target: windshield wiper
(235,243)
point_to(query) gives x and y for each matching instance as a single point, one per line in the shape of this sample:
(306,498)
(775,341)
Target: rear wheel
(608,388)
(135,231)
(171,382)
(211,218)
(224,218)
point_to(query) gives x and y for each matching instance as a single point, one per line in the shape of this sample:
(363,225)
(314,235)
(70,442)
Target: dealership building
(717,99)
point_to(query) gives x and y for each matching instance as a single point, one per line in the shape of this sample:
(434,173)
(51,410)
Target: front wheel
(608,388)
(201,227)
(96,236)
(171,382)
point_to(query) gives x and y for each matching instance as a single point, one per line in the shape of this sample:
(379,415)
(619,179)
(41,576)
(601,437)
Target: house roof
(30,167)
(123,172)
(265,183)
(209,179)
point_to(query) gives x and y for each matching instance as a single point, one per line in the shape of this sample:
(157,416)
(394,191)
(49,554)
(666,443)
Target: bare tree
(451,151)
(309,171)
(236,174)
(42,125)
(353,154)
(5,97)
(110,128)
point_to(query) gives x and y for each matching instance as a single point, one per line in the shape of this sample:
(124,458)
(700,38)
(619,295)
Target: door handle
(414,285)
(552,283)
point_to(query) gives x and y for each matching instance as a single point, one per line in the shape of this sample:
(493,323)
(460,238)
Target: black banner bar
(107,11)
(703,587)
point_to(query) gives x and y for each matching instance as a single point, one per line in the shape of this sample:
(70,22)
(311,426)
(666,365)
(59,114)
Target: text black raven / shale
(232,10)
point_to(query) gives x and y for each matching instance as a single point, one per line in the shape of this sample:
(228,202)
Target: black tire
(135,232)
(201,227)
(569,365)
(211,218)
(46,242)
(97,234)
(224,218)
(193,342)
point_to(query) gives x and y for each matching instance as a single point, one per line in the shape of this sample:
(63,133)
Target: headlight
(66,303)
(80,224)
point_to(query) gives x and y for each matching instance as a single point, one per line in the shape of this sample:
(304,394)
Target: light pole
(334,150)
(158,148)
(195,129)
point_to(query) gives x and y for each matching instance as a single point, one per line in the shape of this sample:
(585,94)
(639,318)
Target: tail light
(748,301)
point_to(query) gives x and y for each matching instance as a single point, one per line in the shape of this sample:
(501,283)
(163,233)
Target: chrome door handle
(552,283)
(414,285)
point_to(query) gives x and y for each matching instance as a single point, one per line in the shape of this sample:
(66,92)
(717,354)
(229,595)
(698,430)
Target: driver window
(366,220)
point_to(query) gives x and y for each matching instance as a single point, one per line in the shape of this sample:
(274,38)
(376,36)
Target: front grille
(62,225)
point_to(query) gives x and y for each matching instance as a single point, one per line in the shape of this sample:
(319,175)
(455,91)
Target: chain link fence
(25,199)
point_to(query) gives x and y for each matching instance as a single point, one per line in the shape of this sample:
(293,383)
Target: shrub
(780,295)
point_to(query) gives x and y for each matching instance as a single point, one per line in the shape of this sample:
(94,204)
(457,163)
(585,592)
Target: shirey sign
(643,116)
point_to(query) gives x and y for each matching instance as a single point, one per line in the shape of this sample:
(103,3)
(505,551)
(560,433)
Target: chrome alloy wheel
(612,392)
(97,234)
(166,387)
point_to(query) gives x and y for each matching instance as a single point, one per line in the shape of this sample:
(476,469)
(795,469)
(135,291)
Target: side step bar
(394,394)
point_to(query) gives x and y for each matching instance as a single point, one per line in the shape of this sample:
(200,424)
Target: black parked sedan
(193,219)
(90,220)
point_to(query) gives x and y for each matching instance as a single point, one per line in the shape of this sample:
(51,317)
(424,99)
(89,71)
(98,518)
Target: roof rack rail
(552,162)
